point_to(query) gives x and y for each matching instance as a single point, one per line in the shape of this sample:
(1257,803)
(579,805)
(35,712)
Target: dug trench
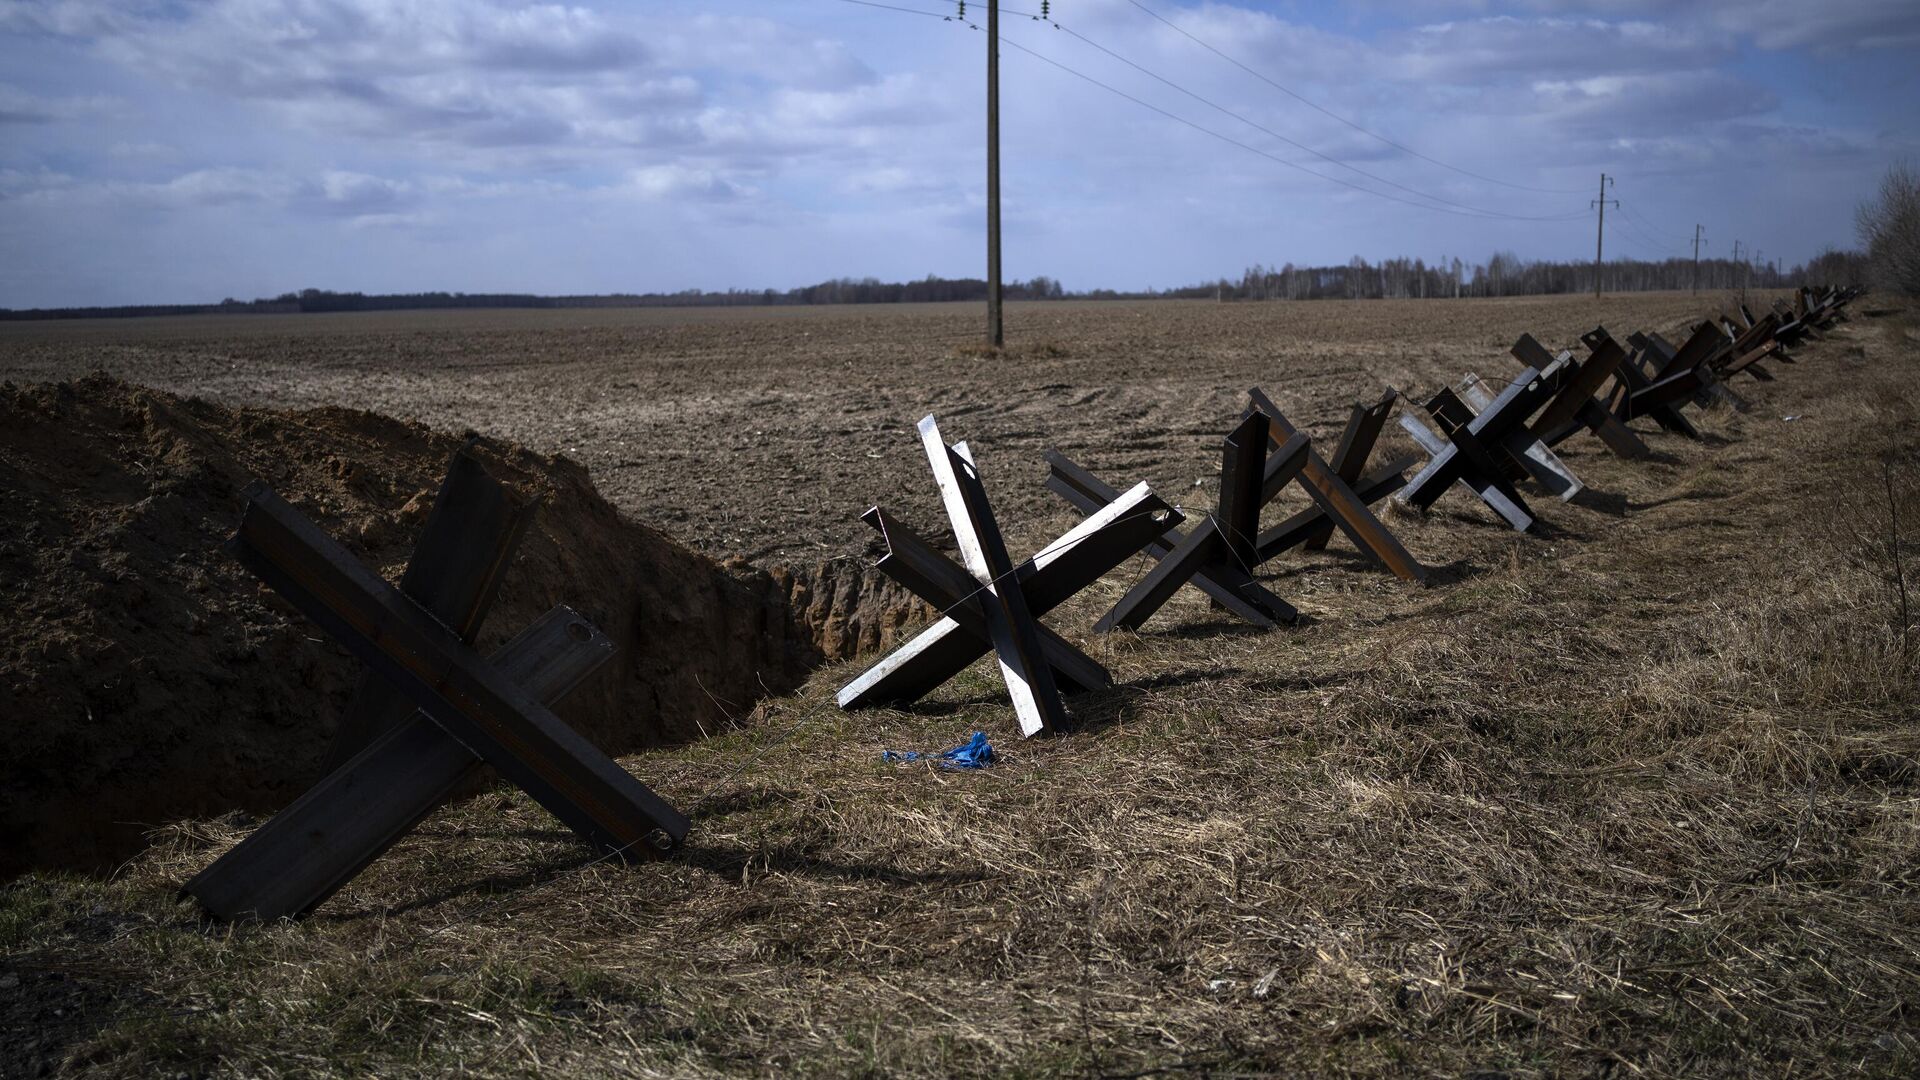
(147,677)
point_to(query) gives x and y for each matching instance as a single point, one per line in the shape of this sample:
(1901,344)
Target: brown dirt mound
(146,677)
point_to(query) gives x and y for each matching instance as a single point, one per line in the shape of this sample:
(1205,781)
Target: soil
(163,683)
(147,677)
(1635,793)
(765,433)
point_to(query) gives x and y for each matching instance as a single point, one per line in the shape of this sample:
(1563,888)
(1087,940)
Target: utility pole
(1697,241)
(1743,277)
(1759,260)
(995,337)
(1600,236)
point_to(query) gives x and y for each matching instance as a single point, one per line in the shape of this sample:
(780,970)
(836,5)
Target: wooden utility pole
(1697,241)
(1743,277)
(1600,237)
(995,337)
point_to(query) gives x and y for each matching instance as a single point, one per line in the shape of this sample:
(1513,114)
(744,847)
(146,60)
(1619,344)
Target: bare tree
(1889,228)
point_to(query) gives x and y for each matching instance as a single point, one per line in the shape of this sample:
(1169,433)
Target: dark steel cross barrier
(1481,452)
(1636,394)
(1575,404)
(1217,555)
(1341,495)
(469,710)
(1706,349)
(989,604)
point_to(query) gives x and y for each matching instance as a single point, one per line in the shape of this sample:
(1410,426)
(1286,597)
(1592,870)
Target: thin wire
(896,7)
(1446,207)
(1256,150)
(1647,241)
(1638,240)
(1650,226)
(1328,112)
(1291,142)
(937,14)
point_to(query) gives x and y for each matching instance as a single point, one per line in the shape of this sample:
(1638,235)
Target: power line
(942,15)
(1642,237)
(896,7)
(1650,226)
(1467,212)
(1639,240)
(1328,112)
(1291,142)
(1445,207)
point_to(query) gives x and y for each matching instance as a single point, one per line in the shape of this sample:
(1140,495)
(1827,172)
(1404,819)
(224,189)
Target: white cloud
(778,142)
(18,106)
(359,193)
(1505,49)
(680,182)
(1832,26)
(488,81)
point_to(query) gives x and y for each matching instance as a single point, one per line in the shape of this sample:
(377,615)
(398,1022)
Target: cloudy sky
(189,150)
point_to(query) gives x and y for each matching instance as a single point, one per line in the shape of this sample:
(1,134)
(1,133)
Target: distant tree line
(1507,274)
(1503,274)
(869,290)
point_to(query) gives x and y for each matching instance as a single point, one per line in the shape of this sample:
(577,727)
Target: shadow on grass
(797,859)
(1284,683)
(1686,496)
(1335,556)
(743,801)
(1104,708)
(1610,503)
(1218,627)
(1450,573)
(534,874)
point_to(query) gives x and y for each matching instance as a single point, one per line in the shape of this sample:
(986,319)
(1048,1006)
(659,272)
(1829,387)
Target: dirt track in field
(765,433)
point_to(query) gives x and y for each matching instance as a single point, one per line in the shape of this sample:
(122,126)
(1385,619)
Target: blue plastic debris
(975,753)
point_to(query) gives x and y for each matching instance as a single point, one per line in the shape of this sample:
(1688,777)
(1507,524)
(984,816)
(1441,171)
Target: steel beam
(1471,451)
(476,703)
(1330,487)
(319,842)
(463,552)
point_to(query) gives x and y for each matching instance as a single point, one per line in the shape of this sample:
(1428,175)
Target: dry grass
(1637,797)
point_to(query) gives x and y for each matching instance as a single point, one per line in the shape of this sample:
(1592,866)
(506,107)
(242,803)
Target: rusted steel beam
(1749,362)
(1576,401)
(1528,454)
(1245,486)
(993,604)
(1089,494)
(1704,349)
(1350,455)
(1628,404)
(1669,391)
(1223,548)
(930,575)
(1296,530)
(1330,487)
(1225,585)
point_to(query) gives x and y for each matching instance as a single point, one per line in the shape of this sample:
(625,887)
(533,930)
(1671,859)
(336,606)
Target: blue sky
(188,151)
